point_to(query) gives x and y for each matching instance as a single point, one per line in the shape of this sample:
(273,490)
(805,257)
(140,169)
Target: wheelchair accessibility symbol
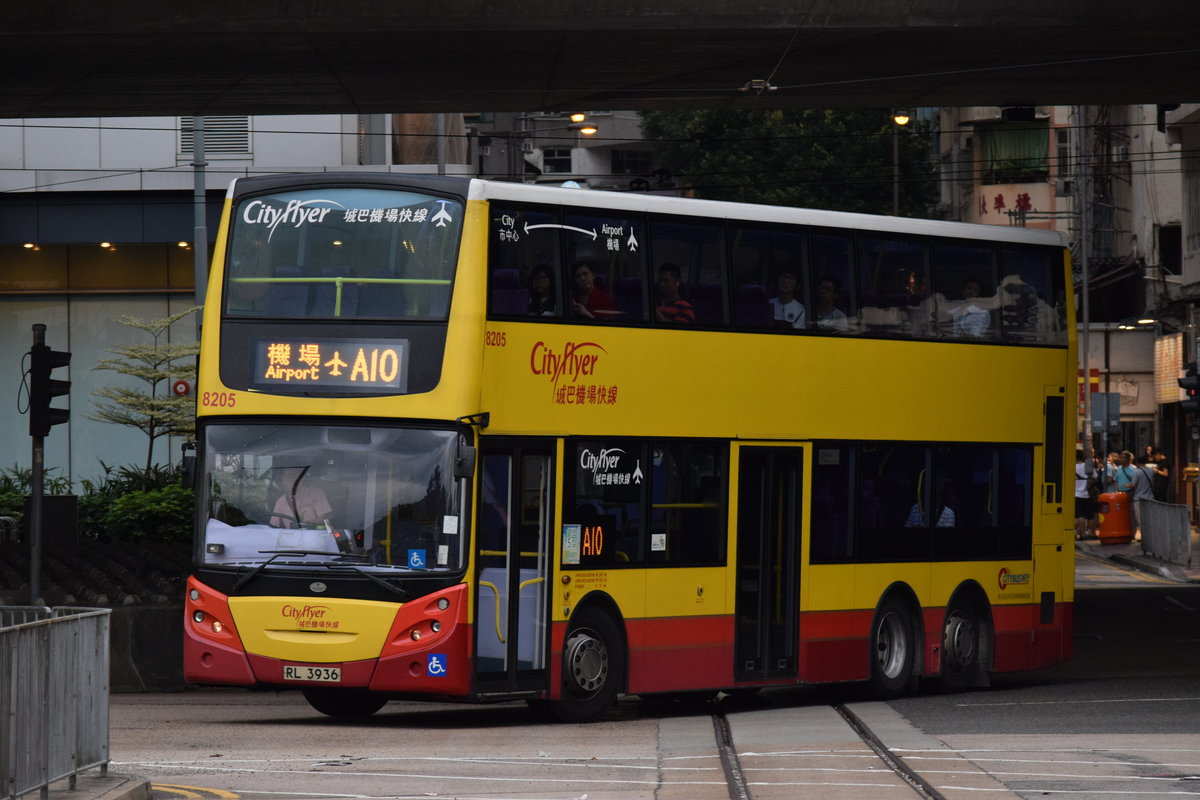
(436,665)
(416,559)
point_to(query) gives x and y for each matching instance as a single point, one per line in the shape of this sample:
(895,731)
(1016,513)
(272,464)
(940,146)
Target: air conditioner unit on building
(1063,188)
(526,146)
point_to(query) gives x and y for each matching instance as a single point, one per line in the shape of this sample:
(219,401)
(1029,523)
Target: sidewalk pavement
(91,785)
(1130,554)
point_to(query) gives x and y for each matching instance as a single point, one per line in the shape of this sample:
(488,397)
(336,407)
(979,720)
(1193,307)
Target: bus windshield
(375,497)
(343,252)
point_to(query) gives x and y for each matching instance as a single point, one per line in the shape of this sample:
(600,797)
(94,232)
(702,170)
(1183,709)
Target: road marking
(193,792)
(1081,702)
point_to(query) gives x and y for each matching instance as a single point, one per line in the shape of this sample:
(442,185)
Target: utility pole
(1083,199)
(200,217)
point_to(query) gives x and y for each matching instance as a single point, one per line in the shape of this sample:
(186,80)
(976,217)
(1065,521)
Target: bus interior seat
(381,299)
(627,294)
(709,304)
(286,299)
(751,308)
(507,296)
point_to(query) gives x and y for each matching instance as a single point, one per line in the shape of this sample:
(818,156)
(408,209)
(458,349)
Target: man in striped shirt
(671,307)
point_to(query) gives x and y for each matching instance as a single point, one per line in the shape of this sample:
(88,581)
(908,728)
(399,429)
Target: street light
(900,118)
(525,140)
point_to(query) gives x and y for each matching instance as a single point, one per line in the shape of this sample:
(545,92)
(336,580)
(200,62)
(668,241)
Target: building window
(1013,152)
(556,159)
(631,162)
(229,134)
(1191,202)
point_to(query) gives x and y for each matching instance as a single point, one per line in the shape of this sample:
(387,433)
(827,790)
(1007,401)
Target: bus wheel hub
(587,661)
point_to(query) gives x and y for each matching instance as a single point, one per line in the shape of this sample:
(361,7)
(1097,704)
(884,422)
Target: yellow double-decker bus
(489,441)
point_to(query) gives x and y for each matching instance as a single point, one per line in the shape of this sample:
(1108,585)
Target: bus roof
(719,209)
(479,189)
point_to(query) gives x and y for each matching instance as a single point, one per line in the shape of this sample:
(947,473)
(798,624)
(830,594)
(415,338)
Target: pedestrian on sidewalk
(1085,503)
(1143,489)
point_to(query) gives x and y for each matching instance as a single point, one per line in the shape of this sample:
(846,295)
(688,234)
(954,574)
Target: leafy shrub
(17,482)
(157,515)
(132,503)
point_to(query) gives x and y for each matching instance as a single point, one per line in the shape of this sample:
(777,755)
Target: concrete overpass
(71,58)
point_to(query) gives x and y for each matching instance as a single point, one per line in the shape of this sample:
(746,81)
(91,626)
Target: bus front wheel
(345,703)
(893,650)
(593,667)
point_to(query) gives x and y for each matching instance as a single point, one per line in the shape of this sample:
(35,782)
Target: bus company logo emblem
(290,611)
(317,587)
(1012,578)
(576,360)
(295,213)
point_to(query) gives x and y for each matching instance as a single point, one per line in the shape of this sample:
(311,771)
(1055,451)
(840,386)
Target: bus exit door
(512,559)
(768,540)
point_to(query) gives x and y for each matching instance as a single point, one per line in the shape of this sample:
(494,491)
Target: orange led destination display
(338,364)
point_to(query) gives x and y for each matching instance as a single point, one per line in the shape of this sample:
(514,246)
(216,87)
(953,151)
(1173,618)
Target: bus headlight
(198,616)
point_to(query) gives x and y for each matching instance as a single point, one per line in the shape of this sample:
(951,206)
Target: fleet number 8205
(218,399)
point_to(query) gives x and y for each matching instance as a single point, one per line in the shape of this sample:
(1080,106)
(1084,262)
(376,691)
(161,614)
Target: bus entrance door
(513,541)
(768,539)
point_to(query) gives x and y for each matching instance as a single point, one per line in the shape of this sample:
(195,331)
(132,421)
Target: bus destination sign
(367,365)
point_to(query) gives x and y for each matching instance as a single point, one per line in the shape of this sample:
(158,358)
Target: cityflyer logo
(1011,578)
(295,213)
(575,361)
(308,616)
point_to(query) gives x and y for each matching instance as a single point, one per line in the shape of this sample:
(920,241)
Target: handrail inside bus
(357,281)
(685,505)
(495,591)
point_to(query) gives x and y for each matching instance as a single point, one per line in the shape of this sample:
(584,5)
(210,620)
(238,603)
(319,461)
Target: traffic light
(43,389)
(1190,383)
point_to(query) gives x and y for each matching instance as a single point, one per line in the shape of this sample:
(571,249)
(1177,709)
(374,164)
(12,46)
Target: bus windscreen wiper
(253,573)
(341,563)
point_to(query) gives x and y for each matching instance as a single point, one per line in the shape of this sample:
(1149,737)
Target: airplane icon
(442,216)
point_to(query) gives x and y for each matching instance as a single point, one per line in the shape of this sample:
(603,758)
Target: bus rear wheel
(962,636)
(345,703)
(593,667)
(893,650)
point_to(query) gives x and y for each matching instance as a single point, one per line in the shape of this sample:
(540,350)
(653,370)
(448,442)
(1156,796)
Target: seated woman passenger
(542,297)
(587,299)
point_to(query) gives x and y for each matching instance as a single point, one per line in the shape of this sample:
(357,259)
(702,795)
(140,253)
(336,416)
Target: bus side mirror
(464,460)
(187,465)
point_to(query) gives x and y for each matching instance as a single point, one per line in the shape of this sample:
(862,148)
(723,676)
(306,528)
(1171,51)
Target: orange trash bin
(1112,509)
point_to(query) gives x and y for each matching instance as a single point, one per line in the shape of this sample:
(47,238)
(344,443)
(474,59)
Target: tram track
(738,785)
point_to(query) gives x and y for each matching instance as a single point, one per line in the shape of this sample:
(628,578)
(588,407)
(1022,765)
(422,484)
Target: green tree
(153,409)
(815,158)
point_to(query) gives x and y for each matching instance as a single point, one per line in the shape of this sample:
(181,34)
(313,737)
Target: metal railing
(53,696)
(1166,531)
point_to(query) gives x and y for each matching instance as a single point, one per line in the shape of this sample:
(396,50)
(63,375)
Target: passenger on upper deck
(970,315)
(829,316)
(789,312)
(671,307)
(587,299)
(542,299)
